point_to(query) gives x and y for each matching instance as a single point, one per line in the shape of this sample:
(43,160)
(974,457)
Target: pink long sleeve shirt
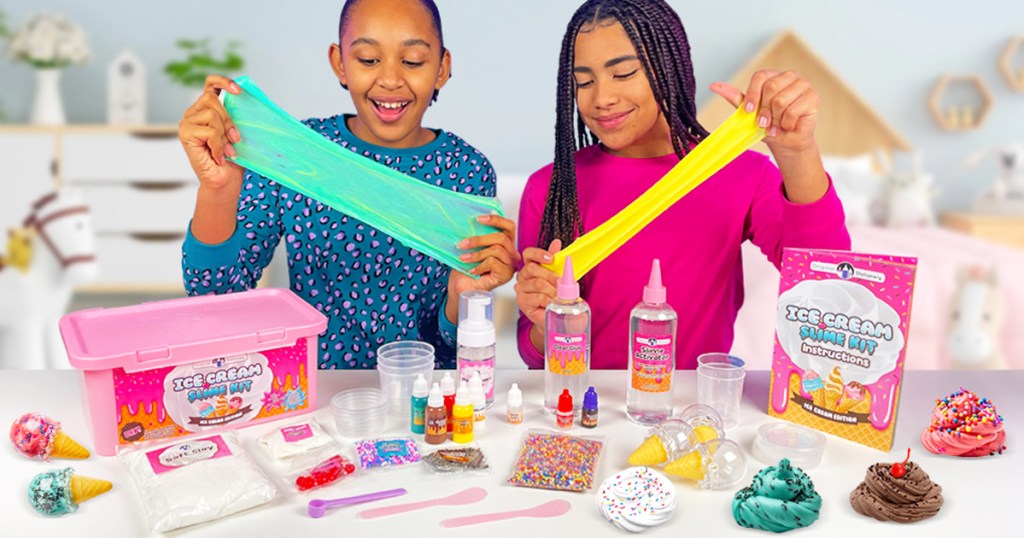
(697,240)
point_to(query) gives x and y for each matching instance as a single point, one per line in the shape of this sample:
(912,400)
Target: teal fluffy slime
(780,499)
(50,493)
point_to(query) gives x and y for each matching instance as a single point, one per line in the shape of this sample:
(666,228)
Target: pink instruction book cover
(841,342)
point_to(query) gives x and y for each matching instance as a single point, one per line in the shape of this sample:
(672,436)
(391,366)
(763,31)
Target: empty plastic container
(359,412)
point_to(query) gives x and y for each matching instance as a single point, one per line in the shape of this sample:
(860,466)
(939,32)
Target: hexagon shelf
(1009,65)
(960,102)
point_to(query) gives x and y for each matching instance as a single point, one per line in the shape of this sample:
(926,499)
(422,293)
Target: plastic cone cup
(689,466)
(705,433)
(84,488)
(652,452)
(66,447)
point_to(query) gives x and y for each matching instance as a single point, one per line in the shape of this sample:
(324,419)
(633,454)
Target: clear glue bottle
(652,354)
(567,342)
(476,339)
(448,393)
(437,417)
(514,405)
(564,415)
(419,404)
(462,419)
(476,397)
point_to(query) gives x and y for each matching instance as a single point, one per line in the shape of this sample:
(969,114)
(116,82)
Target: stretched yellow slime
(736,135)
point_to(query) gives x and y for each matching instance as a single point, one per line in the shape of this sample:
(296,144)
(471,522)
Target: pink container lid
(178,331)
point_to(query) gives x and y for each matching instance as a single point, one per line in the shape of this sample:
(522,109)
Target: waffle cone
(689,466)
(819,397)
(832,399)
(67,448)
(84,488)
(705,433)
(862,406)
(652,452)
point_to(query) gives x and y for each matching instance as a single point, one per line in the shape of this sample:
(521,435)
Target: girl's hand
(497,256)
(788,108)
(207,133)
(535,285)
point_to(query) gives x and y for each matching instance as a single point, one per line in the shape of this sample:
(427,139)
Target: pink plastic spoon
(468,496)
(548,509)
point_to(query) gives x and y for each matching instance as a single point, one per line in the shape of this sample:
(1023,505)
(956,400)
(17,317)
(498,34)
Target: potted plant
(49,43)
(200,62)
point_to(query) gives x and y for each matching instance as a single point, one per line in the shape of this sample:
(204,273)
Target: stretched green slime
(429,219)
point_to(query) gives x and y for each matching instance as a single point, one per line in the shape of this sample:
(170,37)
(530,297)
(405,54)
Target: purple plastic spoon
(317,507)
(466,496)
(548,509)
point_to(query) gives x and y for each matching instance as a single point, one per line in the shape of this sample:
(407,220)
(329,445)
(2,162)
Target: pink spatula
(467,496)
(548,509)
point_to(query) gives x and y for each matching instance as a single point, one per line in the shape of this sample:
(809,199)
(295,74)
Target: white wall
(505,52)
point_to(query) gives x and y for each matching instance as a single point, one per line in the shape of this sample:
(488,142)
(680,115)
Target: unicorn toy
(976,316)
(52,252)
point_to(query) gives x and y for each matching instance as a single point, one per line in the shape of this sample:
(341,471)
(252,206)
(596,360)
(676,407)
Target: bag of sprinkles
(386,453)
(550,460)
(449,461)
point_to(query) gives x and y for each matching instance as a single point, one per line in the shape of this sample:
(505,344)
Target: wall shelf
(1010,67)
(962,112)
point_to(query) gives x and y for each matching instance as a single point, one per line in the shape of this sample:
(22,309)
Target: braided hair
(429,5)
(660,41)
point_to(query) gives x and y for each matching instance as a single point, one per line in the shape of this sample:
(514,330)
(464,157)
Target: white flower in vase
(49,43)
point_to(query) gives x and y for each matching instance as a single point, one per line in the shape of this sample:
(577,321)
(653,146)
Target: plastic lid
(419,387)
(565,402)
(462,395)
(654,292)
(725,464)
(447,384)
(178,331)
(802,446)
(435,399)
(515,396)
(590,399)
(568,288)
(476,319)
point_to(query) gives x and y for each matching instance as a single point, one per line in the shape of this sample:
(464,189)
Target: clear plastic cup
(409,353)
(359,412)
(720,385)
(397,383)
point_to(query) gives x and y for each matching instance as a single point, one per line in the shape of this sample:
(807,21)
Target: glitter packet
(374,454)
(457,461)
(556,461)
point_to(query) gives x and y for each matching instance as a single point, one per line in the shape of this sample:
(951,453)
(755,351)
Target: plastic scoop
(318,507)
(466,496)
(737,134)
(422,216)
(548,509)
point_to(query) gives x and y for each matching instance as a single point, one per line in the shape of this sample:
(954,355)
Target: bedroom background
(939,89)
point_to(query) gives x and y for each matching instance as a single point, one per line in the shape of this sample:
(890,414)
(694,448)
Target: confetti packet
(457,460)
(556,461)
(375,454)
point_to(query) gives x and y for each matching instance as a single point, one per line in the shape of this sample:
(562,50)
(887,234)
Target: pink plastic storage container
(198,364)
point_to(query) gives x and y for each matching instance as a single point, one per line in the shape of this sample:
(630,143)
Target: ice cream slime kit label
(840,345)
(194,365)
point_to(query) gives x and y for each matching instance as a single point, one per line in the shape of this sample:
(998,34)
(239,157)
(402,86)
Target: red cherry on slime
(899,470)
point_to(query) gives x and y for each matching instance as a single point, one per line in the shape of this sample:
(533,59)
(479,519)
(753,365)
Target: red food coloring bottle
(899,470)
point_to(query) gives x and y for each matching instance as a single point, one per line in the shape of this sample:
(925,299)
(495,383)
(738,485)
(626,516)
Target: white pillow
(857,185)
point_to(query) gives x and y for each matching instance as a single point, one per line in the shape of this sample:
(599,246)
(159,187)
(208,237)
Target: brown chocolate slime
(904,500)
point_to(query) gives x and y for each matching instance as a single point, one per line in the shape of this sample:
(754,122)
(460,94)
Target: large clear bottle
(652,354)
(566,343)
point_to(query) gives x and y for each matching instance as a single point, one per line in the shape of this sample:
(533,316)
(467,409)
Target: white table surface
(980,493)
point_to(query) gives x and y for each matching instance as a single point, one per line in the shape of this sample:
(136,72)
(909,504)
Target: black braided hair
(429,5)
(658,36)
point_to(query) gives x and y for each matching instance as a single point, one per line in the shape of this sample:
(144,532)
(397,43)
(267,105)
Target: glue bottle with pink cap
(566,343)
(652,354)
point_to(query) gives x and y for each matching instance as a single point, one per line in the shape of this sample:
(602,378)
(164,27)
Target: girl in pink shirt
(626,116)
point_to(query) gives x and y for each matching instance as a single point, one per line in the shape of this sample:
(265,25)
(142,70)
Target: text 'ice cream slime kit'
(195,365)
(840,346)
